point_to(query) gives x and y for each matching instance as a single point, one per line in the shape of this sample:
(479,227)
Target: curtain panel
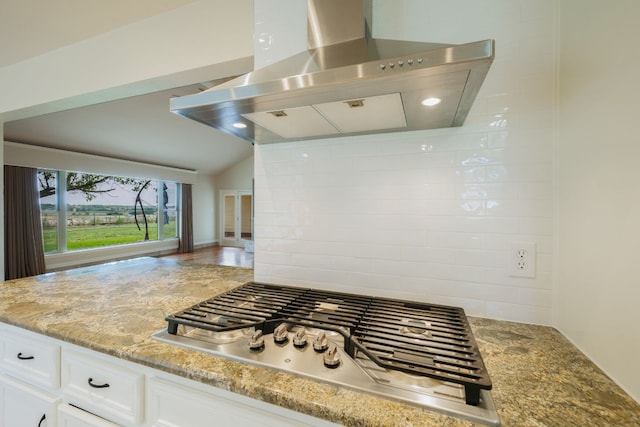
(186,223)
(23,246)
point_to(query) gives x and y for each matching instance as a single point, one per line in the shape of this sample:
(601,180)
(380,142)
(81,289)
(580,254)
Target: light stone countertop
(539,378)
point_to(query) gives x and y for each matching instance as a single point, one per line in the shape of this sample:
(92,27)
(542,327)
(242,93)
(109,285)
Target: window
(100,210)
(47,184)
(168,205)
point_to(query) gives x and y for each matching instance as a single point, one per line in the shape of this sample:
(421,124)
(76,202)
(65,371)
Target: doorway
(237,218)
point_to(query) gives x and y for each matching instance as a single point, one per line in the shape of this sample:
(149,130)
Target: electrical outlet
(522,259)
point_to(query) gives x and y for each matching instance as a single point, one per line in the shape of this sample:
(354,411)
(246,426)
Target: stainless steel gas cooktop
(417,353)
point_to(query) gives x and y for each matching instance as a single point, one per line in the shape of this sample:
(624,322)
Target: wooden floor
(221,255)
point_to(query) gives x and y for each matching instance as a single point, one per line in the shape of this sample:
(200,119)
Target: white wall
(429,215)
(280,30)
(238,176)
(599,201)
(196,42)
(49,158)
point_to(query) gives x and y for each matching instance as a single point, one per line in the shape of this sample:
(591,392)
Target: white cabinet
(68,416)
(96,384)
(172,405)
(175,402)
(30,357)
(30,365)
(24,406)
(57,384)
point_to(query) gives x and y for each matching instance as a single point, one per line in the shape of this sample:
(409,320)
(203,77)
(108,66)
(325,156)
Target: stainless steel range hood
(346,84)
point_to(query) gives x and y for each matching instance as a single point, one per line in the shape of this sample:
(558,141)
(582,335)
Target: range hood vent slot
(355,103)
(346,84)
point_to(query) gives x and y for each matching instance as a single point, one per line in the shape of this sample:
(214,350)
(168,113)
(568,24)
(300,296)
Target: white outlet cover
(522,259)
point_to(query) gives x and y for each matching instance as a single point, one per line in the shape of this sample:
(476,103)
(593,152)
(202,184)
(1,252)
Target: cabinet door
(24,406)
(175,405)
(68,416)
(104,388)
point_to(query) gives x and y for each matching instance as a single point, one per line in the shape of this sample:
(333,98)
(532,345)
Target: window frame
(61,216)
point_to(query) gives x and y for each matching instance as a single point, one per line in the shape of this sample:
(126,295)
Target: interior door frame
(237,240)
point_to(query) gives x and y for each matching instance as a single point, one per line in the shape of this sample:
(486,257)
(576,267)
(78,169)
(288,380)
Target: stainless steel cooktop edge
(349,374)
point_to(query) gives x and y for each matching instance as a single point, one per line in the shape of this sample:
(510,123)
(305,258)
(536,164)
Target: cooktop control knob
(331,357)
(280,334)
(256,342)
(300,339)
(320,343)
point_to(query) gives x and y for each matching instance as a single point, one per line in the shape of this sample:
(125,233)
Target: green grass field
(86,237)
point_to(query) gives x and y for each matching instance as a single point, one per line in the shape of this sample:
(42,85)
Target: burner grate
(423,339)
(327,310)
(250,305)
(419,339)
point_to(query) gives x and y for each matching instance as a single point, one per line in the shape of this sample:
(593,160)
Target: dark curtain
(23,247)
(186,230)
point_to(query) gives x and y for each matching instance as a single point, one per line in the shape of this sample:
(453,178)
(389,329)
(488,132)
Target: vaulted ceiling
(139,128)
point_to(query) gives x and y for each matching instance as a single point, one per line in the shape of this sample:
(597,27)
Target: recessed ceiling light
(239,125)
(429,102)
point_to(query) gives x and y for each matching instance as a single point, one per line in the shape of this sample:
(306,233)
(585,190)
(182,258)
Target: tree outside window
(102,210)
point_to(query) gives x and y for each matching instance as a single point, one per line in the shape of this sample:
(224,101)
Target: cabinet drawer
(171,404)
(32,359)
(68,416)
(107,389)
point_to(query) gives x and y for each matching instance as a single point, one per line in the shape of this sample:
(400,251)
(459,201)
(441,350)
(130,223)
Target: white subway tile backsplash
(480,157)
(542,226)
(518,208)
(271,257)
(428,215)
(482,258)
(499,81)
(466,174)
(541,10)
(501,103)
(544,262)
(517,312)
(456,240)
(502,277)
(522,172)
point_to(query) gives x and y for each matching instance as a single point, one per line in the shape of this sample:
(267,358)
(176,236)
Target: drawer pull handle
(105,385)
(21,357)
(42,419)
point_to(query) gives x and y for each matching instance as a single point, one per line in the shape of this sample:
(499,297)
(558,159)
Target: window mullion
(160,210)
(61,180)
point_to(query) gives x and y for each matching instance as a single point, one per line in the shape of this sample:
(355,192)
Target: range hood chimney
(346,84)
